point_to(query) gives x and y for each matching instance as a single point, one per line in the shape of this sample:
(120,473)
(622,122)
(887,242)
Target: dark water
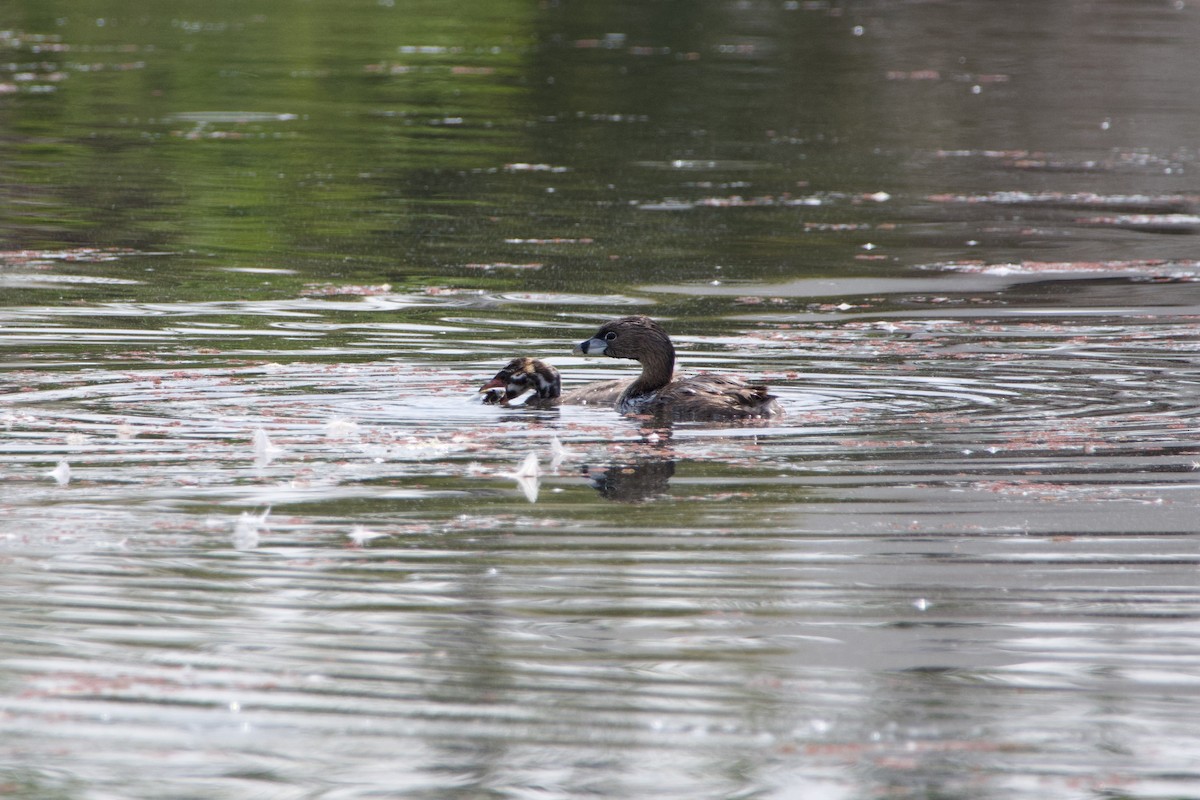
(260,539)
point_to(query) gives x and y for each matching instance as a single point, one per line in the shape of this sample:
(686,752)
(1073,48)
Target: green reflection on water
(411,143)
(127,129)
(598,147)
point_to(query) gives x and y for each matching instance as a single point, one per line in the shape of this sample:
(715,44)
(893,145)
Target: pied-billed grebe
(657,392)
(525,374)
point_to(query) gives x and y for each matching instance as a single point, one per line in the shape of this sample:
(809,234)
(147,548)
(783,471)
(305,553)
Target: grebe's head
(629,337)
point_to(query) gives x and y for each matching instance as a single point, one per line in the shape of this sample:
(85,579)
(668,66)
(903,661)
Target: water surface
(261,539)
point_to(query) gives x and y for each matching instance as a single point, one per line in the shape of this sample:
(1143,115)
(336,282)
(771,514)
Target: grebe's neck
(658,367)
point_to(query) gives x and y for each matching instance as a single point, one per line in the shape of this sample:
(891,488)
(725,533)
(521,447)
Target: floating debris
(440,291)
(203,119)
(935,75)
(667,205)
(330,290)
(1151,223)
(235,117)
(522,167)
(503,265)
(74,255)
(694,164)
(1118,160)
(428,49)
(753,300)
(1143,203)
(1135,267)
(341,428)
(584,240)
(260,270)
(387,68)
(784,200)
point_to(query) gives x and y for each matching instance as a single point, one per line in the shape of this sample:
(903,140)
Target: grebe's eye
(608,337)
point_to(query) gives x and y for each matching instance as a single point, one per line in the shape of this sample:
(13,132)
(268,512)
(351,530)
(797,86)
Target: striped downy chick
(523,375)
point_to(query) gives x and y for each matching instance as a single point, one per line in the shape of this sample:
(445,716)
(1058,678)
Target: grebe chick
(657,392)
(522,375)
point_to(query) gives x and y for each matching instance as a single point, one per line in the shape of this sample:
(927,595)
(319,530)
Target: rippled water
(991,509)
(261,538)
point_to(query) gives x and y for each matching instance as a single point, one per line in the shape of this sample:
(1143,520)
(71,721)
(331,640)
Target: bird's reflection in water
(638,476)
(632,481)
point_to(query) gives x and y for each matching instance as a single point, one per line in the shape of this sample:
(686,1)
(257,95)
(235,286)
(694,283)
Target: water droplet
(61,473)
